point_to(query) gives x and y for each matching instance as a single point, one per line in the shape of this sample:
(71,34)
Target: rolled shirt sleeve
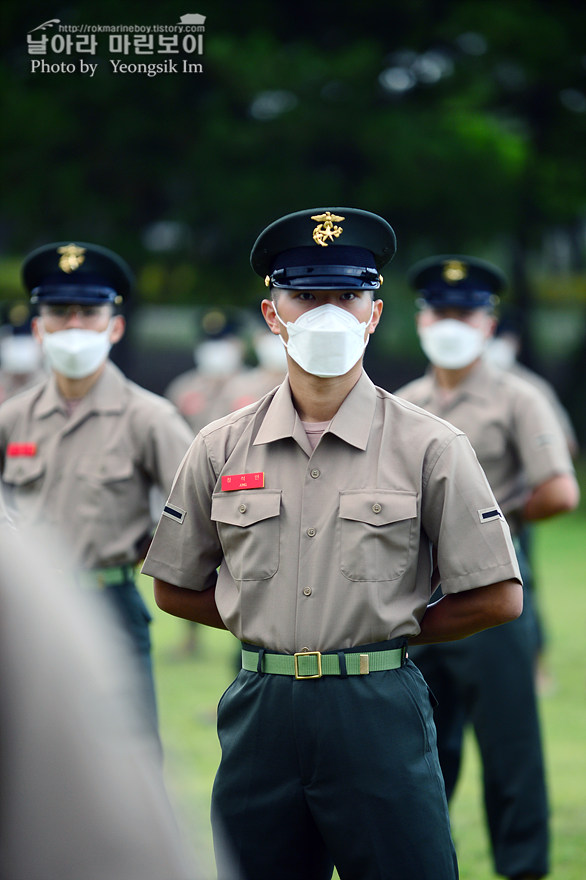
(186,550)
(465,523)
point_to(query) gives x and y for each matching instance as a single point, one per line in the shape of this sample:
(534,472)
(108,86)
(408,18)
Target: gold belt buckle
(307,654)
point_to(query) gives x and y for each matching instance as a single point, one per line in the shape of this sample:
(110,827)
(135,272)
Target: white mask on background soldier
(20,354)
(218,357)
(76,353)
(451,344)
(326,341)
(500,353)
(270,352)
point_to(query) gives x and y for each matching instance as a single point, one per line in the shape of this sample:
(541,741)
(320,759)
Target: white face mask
(76,353)
(271,353)
(20,354)
(220,357)
(451,344)
(500,353)
(326,341)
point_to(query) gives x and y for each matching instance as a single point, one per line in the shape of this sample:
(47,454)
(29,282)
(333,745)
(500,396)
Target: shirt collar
(353,420)
(351,423)
(475,384)
(105,396)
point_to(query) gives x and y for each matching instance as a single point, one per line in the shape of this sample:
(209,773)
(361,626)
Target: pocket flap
(20,471)
(378,507)
(245,508)
(105,469)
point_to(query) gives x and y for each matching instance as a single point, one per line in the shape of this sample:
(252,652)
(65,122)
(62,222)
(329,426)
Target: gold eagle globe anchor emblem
(454,271)
(72,257)
(326,230)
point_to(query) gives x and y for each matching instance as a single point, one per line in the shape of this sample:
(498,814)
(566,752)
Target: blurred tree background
(462,122)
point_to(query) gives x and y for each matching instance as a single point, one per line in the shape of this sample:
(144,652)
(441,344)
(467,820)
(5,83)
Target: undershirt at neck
(314,430)
(71,404)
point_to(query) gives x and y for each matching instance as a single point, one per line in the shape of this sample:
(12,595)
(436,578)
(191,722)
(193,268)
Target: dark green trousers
(334,771)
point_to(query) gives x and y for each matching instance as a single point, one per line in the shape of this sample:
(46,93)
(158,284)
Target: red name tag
(243,481)
(20,450)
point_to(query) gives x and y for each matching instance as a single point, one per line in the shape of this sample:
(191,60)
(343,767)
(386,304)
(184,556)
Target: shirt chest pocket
(104,484)
(248,525)
(111,470)
(490,443)
(24,476)
(377,533)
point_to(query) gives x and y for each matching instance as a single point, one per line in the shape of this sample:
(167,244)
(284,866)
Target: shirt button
(310,533)
(376,508)
(242,508)
(315,473)
(307,591)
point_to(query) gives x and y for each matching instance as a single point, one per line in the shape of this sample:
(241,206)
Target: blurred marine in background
(21,358)
(502,351)
(219,356)
(488,679)
(80,452)
(250,385)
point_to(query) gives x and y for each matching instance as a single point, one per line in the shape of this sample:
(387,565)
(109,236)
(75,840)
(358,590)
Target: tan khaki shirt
(335,549)
(197,396)
(14,383)
(511,425)
(4,518)
(247,387)
(89,475)
(549,392)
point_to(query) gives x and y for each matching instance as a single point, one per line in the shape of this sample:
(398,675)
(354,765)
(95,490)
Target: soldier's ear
(36,331)
(267,307)
(376,313)
(491,324)
(117,329)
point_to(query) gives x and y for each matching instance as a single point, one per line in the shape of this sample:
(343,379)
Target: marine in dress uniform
(487,680)
(218,359)
(304,523)
(502,351)
(21,359)
(253,383)
(80,452)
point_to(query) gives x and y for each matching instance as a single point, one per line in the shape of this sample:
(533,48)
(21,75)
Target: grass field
(189,689)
